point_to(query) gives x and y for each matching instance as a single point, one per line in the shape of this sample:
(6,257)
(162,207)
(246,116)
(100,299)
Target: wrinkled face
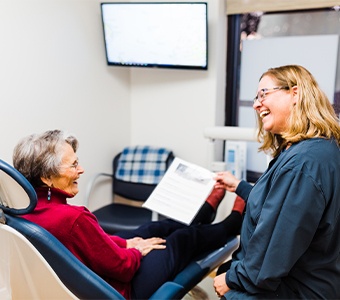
(70,171)
(275,107)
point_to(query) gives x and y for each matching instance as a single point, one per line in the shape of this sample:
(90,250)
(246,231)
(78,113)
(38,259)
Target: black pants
(183,244)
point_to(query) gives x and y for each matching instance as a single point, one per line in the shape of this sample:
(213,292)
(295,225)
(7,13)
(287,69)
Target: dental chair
(35,265)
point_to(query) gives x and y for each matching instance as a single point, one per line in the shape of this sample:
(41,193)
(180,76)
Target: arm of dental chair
(169,291)
(195,272)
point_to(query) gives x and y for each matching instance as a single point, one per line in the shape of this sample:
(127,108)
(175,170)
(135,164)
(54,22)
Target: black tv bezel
(152,65)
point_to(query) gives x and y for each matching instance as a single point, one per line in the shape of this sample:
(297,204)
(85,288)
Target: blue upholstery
(28,188)
(135,173)
(195,272)
(79,279)
(204,264)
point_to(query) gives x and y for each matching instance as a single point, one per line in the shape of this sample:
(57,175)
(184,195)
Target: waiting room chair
(136,171)
(35,265)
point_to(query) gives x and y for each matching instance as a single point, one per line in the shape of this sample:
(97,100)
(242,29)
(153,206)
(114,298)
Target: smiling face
(69,173)
(274,109)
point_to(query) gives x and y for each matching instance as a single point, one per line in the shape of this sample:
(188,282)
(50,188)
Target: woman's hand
(220,285)
(145,245)
(131,243)
(227,181)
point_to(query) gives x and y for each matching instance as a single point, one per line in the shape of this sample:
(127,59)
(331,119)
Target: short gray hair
(39,155)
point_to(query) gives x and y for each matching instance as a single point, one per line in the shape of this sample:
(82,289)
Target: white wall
(53,74)
(172,108)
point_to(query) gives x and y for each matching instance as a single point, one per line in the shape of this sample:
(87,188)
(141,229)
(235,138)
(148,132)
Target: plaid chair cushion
(142,164)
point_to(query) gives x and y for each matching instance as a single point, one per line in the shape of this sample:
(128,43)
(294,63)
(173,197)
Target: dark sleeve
(243,189)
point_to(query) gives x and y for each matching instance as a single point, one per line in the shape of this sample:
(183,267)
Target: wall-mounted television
(156,34)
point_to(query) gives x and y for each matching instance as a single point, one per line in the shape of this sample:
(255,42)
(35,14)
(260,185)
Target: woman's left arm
(286,225)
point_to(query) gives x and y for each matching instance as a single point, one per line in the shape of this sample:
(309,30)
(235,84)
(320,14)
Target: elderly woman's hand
(145,245)
(227,181)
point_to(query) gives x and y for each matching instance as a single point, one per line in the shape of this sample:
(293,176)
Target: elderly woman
(136,266)
(290,241)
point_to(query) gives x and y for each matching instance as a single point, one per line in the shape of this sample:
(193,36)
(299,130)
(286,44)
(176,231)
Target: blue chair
(136,171)
(37,266)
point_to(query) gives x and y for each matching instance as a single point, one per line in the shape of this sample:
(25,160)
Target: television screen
(156,34)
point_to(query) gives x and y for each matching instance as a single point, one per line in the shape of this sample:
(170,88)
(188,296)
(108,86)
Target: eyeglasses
(73,166)
(261,95)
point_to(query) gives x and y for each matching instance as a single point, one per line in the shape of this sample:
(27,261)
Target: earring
(49,194)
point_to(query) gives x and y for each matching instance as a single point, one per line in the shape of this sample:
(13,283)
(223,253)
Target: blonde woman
(290,241)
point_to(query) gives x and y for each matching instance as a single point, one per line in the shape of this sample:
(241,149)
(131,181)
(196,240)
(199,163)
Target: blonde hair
(312,116)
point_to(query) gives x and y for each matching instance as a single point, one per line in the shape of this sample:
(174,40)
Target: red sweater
(79,231)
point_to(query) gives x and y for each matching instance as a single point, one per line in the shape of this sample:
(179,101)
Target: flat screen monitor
(156,34)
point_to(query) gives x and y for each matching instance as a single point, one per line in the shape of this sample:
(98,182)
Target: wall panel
(245,6)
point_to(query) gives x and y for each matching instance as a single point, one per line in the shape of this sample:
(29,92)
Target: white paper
(182,191)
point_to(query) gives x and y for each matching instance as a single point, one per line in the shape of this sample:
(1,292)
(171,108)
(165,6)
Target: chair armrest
(92,183)
(195,272)
(168,291)
(214,259)
(201,267)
